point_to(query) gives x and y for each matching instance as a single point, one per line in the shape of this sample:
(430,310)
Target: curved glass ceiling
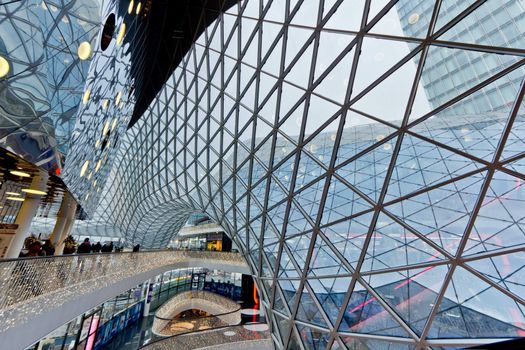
(40,95)
(366,157)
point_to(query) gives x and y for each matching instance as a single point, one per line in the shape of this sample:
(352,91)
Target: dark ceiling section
(172,28)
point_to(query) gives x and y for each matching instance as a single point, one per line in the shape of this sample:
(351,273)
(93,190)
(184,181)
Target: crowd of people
(36,248)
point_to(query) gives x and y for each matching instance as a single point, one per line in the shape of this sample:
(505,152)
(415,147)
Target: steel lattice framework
(365,156)
(40,96)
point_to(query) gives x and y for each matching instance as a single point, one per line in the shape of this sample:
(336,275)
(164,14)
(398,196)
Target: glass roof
(365,156)
(40,95)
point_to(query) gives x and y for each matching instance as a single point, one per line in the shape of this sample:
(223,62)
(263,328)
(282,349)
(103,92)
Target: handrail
(182,300)
(33,288)
(199,318)
(65,256)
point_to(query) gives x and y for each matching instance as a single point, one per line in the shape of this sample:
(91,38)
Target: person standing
(85,247)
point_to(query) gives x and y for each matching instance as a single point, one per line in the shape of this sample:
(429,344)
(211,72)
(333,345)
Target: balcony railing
(223,312)
(32,286)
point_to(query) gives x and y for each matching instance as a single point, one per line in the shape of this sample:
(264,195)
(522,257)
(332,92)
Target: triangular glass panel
(360,133)
(324,262)
(309,199)
(505,270)
(349,236)
(306,15)
(290,292)
(289,97)
(272,65)
(335,85)
(392,245)
(411,293)
(277,11)
(277,215)
(287,268)
(364,314)
(299,73)
(341,202)
(313,338)
(405,18)
(277,193)
(319,112)
(469,303)
(377,56)
(422,164)
(330,292)
(309,169)
(501,220)
(295,47)
(271,250)
(448,10)
(475,124)
(299,246)
(270,32)
(308,311)
(441,214)
(460,74)
(515,143)
(279,304)
(388,100)
(367,173)
(347,16)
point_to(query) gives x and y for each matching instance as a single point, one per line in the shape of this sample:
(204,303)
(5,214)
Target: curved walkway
(223,310)
(41,294)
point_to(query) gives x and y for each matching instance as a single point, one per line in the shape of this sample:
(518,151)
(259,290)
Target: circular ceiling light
(106,129)
(84,168)
(86,96)
(130,7)
(31,191)
(121,33)
(84,51)
(414,18)
(118,98)
(18,199)
(19,173)
(139,7)
(4,67)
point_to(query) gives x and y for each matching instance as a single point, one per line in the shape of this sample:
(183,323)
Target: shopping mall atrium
(262,174)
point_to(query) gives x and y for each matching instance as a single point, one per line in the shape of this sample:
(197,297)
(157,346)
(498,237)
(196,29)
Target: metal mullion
(406,268)
(388,309)
(493,253)
(418,234)
(448,148)
(338,254)
(492,284)
(391,166)
(367,150)
(475,210)
(315,37)
(480,48)
(467,93)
